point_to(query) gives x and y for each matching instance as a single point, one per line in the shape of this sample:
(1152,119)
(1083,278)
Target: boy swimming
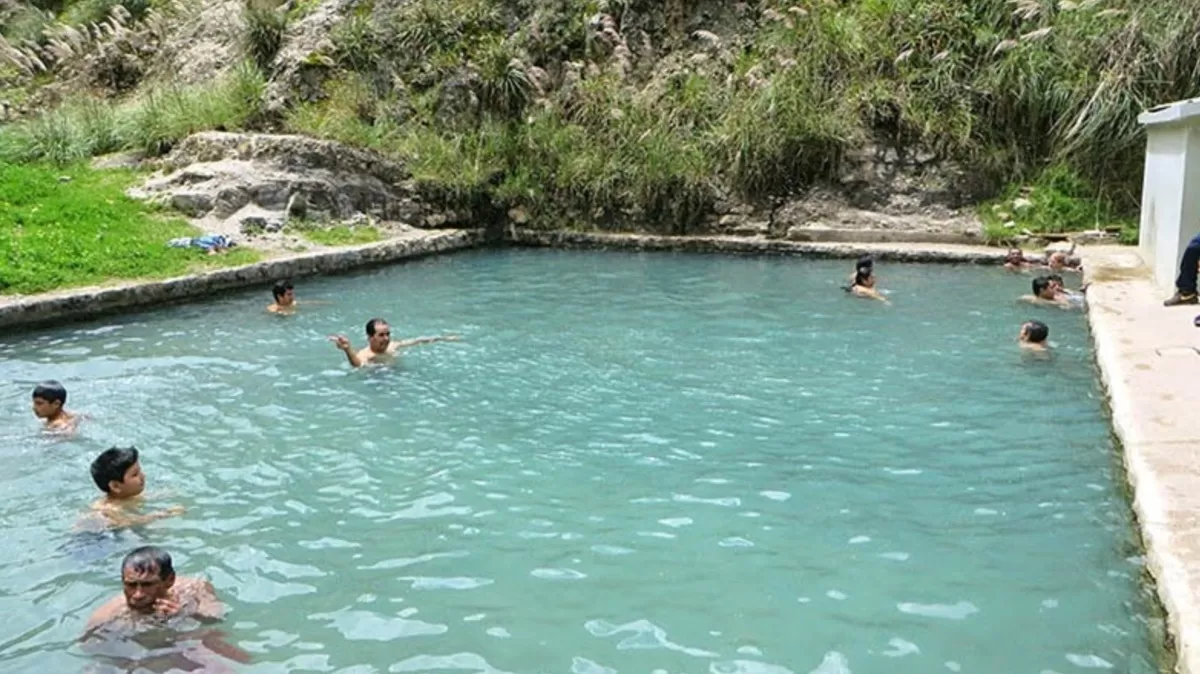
(119,475)
(1033,336)
(48,400)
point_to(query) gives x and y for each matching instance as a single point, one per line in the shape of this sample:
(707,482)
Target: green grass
(1056,202)
(340,235)
(85,231)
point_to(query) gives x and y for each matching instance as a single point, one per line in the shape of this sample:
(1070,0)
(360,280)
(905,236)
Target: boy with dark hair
(49,397)
(1033,336)
(119,475)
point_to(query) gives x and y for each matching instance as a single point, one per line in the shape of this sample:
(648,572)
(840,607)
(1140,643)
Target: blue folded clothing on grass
(208,242)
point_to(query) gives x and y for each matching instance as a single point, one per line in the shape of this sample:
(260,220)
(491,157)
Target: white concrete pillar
(1171,187)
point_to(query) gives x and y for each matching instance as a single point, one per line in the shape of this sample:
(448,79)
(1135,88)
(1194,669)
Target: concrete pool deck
(1150,365)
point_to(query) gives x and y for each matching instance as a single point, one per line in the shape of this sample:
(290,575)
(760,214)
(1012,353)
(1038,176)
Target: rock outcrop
(249,183)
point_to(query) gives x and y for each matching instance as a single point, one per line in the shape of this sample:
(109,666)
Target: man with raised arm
(380,347)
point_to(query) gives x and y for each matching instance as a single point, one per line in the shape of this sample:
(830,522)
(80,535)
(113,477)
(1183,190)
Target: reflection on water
(629,464)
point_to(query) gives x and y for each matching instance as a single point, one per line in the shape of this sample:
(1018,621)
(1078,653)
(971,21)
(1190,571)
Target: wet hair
(1037,332)
(1040,284)
(51,391)
(112,464)
(1055,277)
(371,325)
(861,276)
(280,289)
(866,262)
(147,559)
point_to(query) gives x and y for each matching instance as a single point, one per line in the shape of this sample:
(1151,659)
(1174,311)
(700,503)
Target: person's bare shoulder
(107,612)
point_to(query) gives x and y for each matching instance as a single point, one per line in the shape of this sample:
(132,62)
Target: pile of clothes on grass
(211,244)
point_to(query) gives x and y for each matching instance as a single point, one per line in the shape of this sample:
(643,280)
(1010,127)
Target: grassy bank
(648,115)
(63,227)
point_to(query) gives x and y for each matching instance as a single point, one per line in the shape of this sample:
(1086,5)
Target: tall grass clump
(552,107)
(151,122)
(265,23)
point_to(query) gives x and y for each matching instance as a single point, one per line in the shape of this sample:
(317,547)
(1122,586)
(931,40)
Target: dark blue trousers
(1186,283)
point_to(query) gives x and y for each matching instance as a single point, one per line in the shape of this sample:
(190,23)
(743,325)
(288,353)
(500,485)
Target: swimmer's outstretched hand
(175,510)
(341,342)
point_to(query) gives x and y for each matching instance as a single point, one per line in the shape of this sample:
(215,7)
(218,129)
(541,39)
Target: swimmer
(1014,260)
(48,400)
(865,262)
(119,475)
(1033,336)
(285,298)
(153,593)
(380,347)
(1044,293)
(1062,261)
(864,285)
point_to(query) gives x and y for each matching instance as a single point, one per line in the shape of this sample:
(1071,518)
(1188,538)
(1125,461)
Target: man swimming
(1044,293)
(285,298)
(153,594)
(380,347)
(154,599)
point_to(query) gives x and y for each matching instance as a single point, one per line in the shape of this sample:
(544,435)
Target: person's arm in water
(421,340)
(344,344)
(871,293)
(119,518)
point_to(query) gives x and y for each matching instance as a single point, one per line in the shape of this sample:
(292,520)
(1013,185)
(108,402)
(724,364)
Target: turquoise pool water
(631,463)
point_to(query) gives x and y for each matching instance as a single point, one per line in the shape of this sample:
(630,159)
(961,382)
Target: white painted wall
(1170,214)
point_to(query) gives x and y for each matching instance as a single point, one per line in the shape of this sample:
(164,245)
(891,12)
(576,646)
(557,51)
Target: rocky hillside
(674,116)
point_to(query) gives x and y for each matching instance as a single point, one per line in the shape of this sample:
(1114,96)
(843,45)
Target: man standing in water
(152,591)
(380,347)
(153,596)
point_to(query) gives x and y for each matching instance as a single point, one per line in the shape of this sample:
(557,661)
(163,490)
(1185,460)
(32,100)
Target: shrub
(265,24)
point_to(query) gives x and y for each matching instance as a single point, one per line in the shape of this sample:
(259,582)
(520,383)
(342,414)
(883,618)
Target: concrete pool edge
(77,303)
(1149,367)
(884,251)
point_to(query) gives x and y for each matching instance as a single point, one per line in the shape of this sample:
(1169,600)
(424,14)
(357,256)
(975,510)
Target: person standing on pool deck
(49,397)
(380,346)
(1185,283)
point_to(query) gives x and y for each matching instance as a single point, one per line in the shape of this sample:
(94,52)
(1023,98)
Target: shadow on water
(161,649)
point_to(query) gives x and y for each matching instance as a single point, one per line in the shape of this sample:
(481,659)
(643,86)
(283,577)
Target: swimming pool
(631,463)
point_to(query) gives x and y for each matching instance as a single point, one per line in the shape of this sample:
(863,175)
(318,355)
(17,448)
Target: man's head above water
(148,576)
(284,293)
(1043,288)
(379,335)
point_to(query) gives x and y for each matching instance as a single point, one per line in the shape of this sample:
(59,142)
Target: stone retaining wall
(89,302)
(893,252)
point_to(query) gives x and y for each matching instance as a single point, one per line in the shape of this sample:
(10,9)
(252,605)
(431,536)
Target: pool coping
(1149,366)
(94,301)
(91,302)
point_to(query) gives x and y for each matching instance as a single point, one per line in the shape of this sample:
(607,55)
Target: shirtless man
(380,347)
(1033,336)
(152,598)
(285,298)
(1046,293)
(153,594)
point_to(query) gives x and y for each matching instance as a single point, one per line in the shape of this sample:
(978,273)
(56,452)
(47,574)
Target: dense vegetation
(644,113)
